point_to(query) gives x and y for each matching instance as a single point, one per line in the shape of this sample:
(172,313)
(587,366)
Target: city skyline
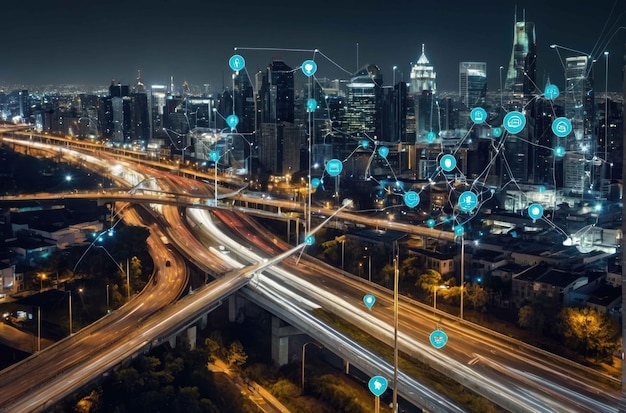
(95,43)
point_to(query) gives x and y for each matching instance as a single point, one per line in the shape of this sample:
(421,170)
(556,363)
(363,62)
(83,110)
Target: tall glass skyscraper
(472,83)
(520,78)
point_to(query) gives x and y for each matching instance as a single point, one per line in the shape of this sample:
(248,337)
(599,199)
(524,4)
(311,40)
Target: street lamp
(303,355)
(126,273)
(70,309)
(501,67)
(369,265)
(435,289)
(108,307)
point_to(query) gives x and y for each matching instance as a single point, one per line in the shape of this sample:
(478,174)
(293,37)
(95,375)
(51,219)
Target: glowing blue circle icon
(430,136)
(551,92)
(369,300)
(309,67)
(561,127)
(430,223)
(311,105)
(447,162)
(542,189)
(478,115)
(214,156)
(468,201)
(514,122)
(559,151)
(535,211)
(309,240)
(236,62)
(496,132)
(438,338)
(383,151)
(334,167)
(377,385)
(411,199)
(315,182)
(365,143)
(458,230)
(232,121)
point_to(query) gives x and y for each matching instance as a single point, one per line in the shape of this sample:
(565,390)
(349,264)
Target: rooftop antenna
(172,85)
(357,56)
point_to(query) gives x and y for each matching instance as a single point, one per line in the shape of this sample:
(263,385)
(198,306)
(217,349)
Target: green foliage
(429,281)
(236,355)
(476,296)
(284,389)
(214,345)
(589,332)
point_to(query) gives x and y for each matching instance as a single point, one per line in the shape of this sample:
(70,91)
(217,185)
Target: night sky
(92,42)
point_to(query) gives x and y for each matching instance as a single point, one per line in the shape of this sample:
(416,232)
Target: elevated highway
(514,384)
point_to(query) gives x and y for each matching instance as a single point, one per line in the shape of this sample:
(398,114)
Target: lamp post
(369,264)
(462,274)
(303,356)
(38,328)
(606,105)
(108,307)
(437,288)
(396,278)
(501,67)
(126,273)
(70,310)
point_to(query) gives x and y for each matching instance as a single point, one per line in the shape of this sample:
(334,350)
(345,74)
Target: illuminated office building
(473,83)
(423,88)
(364,101)
(520,78)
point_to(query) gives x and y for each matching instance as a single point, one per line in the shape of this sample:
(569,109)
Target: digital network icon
(496,132)
(430,136)
(447,162)
(514,122)
(365,144)
(311,105)
(309,240)
(334,167)
(430,223)
(369,300)
(551,92)
(561,127)
(383,151)
(232,121)
(535,211)
(411,199)
(309,67)
(236,62)
(214,156)
(438,338)
(315,182)
(468,201)
(459,230)
(377,385)
(478,115)
(559,151)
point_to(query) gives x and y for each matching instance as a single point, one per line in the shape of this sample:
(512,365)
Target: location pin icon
(369,300)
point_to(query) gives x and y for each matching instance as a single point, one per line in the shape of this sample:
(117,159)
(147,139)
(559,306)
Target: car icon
(514,122)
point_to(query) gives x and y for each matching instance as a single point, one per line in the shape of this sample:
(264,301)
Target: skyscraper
(423,89)
(520,78)
(364,101)
(472,83)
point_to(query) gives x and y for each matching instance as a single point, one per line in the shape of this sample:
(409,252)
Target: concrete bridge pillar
(280,340)
(235,309)
(172,341)
(203,321)
(191,337)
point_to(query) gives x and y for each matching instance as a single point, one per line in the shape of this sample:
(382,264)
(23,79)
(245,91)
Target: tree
(236,355)
(476,296)
(530,317)
(589,332)
(429,281)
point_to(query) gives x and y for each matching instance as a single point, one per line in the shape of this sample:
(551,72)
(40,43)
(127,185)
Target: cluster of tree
(166,380)
(584,330)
